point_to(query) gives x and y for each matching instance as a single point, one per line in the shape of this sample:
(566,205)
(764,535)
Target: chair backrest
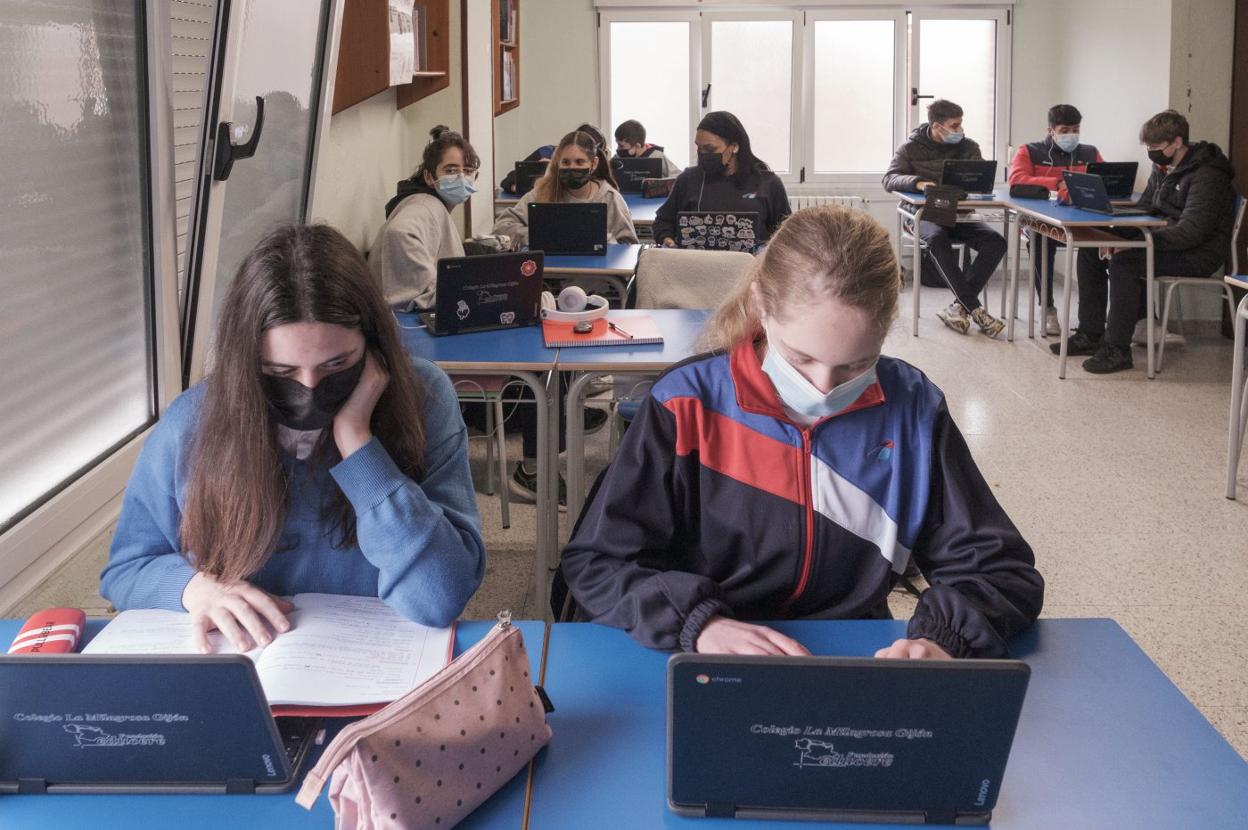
(1240,204)
(676,278)
(802,200)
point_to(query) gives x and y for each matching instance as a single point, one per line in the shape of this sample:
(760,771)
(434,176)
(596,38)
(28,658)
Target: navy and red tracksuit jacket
(719,504)
(1042,163)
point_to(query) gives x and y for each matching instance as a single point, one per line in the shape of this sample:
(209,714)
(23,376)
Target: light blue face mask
(455,189)
(1067,141)
(803,397)
(953,138)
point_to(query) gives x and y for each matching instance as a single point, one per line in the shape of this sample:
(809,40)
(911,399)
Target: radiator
(799,201)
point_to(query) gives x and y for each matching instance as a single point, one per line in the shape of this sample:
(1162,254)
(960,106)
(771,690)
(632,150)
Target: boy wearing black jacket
(1191,187)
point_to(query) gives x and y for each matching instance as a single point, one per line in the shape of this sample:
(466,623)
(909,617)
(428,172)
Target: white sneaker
(1140,336)
(955,318)
(1052,327)
(988,324)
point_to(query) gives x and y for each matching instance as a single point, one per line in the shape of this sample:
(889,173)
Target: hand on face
(352,428)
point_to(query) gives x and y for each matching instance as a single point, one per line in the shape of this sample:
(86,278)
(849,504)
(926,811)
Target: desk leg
(1015,277)
(550,556)
(1044,288)
(1236,438)
(1066,284)
(547,501)
(917,265)
(1005,268)
(576,444)
(1149,273)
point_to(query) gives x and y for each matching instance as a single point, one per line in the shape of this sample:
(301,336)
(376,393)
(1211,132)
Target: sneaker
(595,419)
(1108,359)
(599,386)
(1077,344)
(1051,326)
(988,324)
(1140,336)
(955,318)
(523,485)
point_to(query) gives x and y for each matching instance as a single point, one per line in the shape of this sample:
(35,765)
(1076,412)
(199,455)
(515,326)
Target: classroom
(623,413)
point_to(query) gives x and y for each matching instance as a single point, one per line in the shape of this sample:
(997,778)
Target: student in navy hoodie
(316,456)
(793,472)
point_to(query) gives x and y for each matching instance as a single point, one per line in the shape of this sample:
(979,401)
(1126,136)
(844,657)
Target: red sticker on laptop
(528,267)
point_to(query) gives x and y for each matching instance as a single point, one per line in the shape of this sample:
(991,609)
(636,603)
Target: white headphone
(573,306)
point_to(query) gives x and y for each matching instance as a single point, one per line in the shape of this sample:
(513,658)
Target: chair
(1171,284)
(490,390)
(1239,400)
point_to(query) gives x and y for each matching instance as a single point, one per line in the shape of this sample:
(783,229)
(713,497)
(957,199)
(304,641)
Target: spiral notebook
(627,331)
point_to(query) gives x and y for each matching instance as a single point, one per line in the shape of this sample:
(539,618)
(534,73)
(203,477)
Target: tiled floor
(1116,482)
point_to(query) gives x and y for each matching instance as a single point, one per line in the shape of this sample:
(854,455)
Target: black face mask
(1159,157)
(297,407)
(712,164)
(574,178)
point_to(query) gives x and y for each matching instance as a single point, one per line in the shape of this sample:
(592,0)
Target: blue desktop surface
(1054,213)
(1105,740)
(211,812)
(519,348)
(680,328)
(620,259)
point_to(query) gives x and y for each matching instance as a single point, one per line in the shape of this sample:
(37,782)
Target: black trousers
(1050,253)
(1120,282)
(988,245)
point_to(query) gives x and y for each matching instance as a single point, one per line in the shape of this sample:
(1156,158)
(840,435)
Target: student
(579,171)
(543,153)
(1041,163)
(916,165)
(418,230)
(1191,187)
(728,177)
(630,142)
(316,456)
(792,472)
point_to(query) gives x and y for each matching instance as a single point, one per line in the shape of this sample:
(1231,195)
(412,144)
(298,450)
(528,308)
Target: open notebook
(607,331)
(342,656)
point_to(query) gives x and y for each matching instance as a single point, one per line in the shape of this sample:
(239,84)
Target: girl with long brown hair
(316,456)
(579,171)
(792,471)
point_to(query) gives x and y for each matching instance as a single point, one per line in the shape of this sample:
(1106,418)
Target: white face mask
(1067,141)
(803,397)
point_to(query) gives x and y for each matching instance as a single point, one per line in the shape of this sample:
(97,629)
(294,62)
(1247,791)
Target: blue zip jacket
(419,544)
(719,504)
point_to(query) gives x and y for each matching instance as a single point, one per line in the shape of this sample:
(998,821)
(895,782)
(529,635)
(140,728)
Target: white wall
(479,119)
(1202,45)
(372,145)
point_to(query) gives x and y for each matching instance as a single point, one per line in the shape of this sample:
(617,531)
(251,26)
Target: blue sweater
(419,543)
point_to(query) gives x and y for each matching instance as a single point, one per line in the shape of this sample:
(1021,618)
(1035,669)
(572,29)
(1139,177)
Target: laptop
(971,176)
(143,723)
(482,293)
(568,228)
(1087,192)
(631,172)
(1119,177)
(527,174)
(712,230)
(840,739)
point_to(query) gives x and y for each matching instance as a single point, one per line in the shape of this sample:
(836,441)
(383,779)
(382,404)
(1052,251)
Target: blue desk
(643,210)
(615,268)
(521,353)
(189,812)
(1078,228)
(680,327)
(1105,739)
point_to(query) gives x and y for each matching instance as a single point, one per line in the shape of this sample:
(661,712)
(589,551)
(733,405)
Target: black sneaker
(1108,359)
(595,419)
(523,485)
(1077,344)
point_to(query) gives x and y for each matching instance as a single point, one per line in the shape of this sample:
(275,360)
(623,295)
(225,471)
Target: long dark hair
(237,496)
(549,189)
(728,127)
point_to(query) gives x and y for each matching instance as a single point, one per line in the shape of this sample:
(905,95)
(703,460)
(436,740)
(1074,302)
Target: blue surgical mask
(1067,141)
(455,189)
(952,137)
(803,397)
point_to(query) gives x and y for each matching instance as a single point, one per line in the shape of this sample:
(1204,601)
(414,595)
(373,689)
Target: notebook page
(153,631)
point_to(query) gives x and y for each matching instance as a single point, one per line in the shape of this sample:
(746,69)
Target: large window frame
(907,112)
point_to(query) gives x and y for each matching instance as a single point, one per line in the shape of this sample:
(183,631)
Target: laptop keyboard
(296,733)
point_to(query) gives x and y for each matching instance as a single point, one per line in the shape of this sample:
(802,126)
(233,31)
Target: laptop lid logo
(812,753)
(528,268)
(94,736)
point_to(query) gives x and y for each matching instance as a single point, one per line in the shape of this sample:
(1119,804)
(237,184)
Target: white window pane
(958,62)
(752,77)
(854,95)
(650,83)
(74,318)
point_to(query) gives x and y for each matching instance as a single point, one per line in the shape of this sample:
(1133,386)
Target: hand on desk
(238,609)
(669,243)
(722,635)
(923,185)
(914,650)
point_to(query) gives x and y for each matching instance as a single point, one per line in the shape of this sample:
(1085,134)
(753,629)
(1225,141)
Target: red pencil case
(50,631)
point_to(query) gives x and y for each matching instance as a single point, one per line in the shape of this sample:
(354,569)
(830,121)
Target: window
(825,94)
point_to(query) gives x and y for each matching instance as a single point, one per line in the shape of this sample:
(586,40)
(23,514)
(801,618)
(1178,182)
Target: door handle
(227,152)
(915,96)
(706,93)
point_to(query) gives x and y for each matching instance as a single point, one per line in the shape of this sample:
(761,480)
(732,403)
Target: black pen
(614,327)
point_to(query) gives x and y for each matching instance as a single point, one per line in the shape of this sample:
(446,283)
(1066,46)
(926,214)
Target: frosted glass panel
(855,95)
(650,83)
(752,77)
(958,61)
(74,256)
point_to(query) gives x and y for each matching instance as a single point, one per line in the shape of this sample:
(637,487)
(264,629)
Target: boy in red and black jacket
(1042,163)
